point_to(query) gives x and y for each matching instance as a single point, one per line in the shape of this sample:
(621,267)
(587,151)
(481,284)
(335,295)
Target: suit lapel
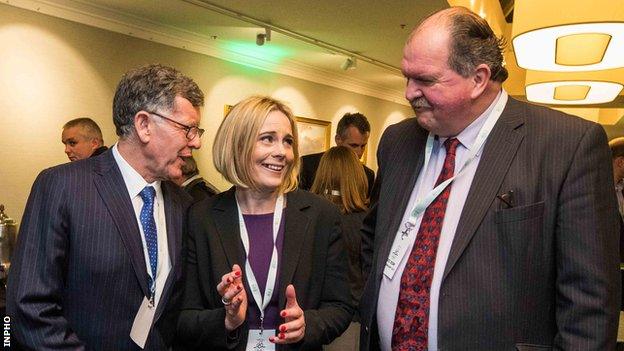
(174,215)
(295,229)
(113,191)
(400,182)
(225,216)
(499,150)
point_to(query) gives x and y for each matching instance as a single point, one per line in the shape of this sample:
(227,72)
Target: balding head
(453,65)
(472,41)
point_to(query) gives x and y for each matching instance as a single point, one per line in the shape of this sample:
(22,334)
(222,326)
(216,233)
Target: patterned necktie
(411,321)
(149,229)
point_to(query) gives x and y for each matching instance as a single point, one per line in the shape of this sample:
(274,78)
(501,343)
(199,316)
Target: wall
(52,70)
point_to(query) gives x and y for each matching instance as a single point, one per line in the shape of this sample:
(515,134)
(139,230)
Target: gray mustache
(419,102)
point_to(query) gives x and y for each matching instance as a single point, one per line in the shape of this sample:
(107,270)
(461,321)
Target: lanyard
(262,303)
(403,238)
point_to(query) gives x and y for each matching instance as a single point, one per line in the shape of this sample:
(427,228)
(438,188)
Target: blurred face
(273,152)
(168,143)
(618,168)
(78,145)
(439,96)
(354,140)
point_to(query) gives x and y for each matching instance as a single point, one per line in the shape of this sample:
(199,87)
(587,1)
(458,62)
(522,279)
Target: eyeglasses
(191,131)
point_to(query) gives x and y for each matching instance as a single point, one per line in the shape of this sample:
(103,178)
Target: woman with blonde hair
(341,179)
(265,265)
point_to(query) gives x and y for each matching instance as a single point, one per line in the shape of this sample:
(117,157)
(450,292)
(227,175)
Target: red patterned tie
(411,322)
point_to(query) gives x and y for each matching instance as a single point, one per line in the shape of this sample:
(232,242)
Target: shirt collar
(468,136)
(188,181)
(134,181)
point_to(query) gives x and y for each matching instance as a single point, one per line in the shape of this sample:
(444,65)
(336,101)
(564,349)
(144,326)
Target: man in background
(193,183)
(617,156)
(98,255)
(353,131)
(82,138)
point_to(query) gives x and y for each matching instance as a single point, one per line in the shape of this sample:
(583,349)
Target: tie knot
(147,194)
(451,145)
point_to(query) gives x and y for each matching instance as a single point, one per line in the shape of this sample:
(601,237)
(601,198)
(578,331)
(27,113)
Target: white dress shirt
(134,184)
(389,289)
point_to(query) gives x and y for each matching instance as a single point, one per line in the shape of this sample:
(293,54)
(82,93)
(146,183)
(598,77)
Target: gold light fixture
(568,36)
(571,48)
(573,92)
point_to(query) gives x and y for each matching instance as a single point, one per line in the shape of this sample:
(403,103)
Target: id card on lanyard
(258,339)
(403,239)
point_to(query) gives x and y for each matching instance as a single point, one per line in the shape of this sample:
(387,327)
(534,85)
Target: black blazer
(199,189)
(309,165)
(541,275)
(78,274)
(313,260)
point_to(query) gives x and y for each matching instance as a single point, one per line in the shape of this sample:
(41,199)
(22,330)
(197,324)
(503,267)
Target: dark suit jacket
(100,150)
(313,260)
(309,165)
(544,272)
(199,189)
(352,237)
(78,274)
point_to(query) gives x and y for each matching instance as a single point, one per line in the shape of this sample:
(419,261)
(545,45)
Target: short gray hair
(91,129)
(151,88)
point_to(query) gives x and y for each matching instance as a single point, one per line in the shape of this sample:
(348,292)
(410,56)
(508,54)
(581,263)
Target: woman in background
(265,263)
(341,179)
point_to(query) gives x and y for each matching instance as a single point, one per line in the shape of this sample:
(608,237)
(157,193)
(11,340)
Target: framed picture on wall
(314,135)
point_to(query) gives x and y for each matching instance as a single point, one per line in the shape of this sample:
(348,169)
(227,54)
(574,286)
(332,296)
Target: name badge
(258,340)
(142,323)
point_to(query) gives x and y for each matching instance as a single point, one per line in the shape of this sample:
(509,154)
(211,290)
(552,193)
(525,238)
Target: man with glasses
(98,256)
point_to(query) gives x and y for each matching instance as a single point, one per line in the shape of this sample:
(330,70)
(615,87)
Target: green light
(267,51)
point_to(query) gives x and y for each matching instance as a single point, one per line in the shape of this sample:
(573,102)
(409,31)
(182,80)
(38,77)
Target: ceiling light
(294,35)
(573,92)
(349,63)
(570,48)
(261,38)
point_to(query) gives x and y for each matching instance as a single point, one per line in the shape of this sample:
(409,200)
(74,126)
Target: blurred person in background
(82,138)
(340,178)
(353,131)
(192,182)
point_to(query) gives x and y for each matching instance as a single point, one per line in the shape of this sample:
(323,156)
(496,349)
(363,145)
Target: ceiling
(369,30)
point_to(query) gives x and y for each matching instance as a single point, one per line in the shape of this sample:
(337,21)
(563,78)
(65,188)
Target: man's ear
(95,143)
(142,126)
(338,140)
(480,80)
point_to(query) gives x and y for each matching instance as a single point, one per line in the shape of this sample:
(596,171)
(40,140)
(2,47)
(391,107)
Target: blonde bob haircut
(340,170)
(237,137)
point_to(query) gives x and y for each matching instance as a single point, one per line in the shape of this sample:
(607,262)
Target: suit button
(366,329)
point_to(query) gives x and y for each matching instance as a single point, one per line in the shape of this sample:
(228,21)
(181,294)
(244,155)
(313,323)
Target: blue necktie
(149,229)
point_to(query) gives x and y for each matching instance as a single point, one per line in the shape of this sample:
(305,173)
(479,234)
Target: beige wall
(53,70)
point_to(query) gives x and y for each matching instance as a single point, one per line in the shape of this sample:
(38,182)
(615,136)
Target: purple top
(260,231)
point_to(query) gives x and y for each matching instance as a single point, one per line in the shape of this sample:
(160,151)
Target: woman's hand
(234,298)
(293,330)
